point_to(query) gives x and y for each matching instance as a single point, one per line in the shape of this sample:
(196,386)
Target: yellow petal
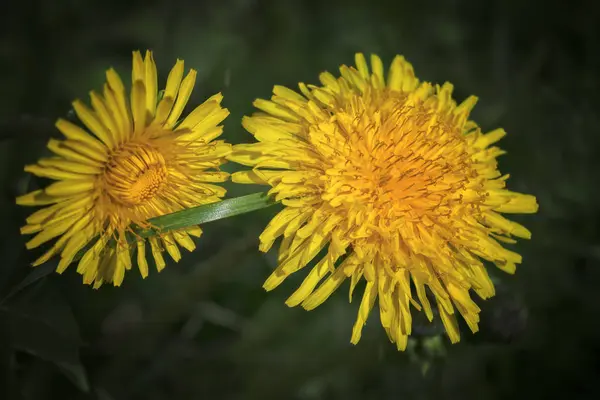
(141,258)
(73,132)
(275,110)
(44,213)
(248,177)
(206,128)
(151,83)
(69,188)
(496,220)
(92,256)
(324,290)
(120,115)
(489,138)
(327,79)
(397,334)
(210,176)
(171,247)
(49,172)
(464,109)
(138,71)
(88,265)
(317,219)
(70,166)
(354,78)
(449,321)
(76,227)
(91,271)
(117,90)
(61,149)
(377,67)
(58,245)
(318,272)
(107,119)
(255,159)
(157,254)
(401,76)
(76,243)
(387,297)
(361,65)
(121,263)
(55,228)
(37,198)
(199,114)
(444,97)
(288,94)
(276,227)
(174,80)
(366,305)
(184,240)
(163,110)
(138,106)
(83,149)
(357,274)
(507,266)
(195,231)
(519,203)
(80,203)
(91,121)
(423,298)
(264,131)
(182,98)
(29,229)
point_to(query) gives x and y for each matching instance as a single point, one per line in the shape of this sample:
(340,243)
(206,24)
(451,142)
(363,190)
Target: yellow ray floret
(132,160)
(392,180)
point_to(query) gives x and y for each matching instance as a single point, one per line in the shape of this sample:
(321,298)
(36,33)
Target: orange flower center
(394,161)
(135,174)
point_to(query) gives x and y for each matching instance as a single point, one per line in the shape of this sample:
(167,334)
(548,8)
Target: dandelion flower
(135,161)
(386,180)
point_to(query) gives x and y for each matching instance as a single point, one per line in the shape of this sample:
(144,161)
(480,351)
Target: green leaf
(76,374)
(197,216)
(208,213)
(40,322)
(35,275)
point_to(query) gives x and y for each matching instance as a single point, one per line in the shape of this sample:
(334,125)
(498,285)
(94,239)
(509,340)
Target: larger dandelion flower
(393,181)
(136,161)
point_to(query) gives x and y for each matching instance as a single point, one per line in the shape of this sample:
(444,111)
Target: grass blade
(208,213)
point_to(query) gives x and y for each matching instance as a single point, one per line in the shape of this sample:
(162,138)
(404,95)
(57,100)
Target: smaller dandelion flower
(135,161)
(390,179)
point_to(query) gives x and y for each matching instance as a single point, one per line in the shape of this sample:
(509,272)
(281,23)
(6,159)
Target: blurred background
(204,328)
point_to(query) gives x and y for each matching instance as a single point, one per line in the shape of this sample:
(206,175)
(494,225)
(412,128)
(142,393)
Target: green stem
(208,213)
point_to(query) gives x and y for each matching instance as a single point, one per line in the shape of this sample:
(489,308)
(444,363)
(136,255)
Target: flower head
(135,161)
(385,180)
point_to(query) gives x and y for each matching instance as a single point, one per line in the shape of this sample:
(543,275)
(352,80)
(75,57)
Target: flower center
(402,160)
(134,174)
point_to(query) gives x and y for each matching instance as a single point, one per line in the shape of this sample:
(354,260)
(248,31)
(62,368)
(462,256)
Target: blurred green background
(204,328)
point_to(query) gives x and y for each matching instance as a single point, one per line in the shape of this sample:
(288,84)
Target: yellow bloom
(395,182)
(138,162)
